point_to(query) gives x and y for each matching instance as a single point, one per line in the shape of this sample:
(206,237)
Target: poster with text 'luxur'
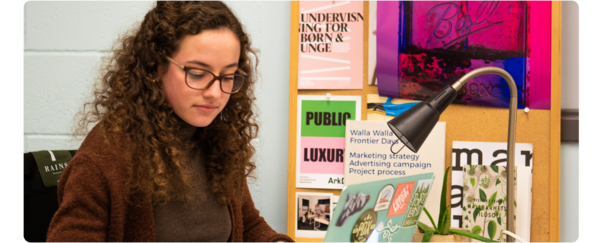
(368,157)
(321,128)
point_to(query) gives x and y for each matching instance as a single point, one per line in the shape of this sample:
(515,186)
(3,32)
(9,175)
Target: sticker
(353,204)
(364,226)
(400,201)
(385,198)
(417,202)
(388,230)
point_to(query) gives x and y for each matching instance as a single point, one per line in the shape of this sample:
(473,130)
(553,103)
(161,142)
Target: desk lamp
(414,125)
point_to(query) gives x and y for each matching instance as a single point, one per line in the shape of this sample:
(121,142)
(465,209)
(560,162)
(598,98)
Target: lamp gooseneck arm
(512,123)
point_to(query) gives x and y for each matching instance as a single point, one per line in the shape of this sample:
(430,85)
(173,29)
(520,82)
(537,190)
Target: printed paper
(330,51)
(320,139)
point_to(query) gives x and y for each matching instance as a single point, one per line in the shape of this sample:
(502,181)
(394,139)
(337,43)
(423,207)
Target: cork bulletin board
(464,123)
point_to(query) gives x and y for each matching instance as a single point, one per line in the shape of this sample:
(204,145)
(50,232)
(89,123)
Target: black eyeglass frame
(216,77)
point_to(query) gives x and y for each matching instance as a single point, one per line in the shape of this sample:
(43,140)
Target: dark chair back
(41,202)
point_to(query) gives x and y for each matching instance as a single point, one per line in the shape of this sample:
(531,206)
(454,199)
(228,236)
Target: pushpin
(328,95)
(526,110)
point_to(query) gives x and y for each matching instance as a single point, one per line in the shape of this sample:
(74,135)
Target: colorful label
(354,203)
(385,198)
(364,226)
(417,202)
(400,200)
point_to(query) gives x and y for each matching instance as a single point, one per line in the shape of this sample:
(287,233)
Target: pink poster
(330,51)
(423,46)
(322,155)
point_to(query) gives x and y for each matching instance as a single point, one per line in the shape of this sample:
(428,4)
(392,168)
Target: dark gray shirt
(200,219)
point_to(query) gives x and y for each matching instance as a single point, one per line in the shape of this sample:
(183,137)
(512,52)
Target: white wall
(569,151)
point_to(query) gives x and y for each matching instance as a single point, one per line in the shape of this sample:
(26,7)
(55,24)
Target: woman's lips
(206,108)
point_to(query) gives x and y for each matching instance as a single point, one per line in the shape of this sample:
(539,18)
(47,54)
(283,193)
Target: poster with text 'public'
(330,51)
(368,157)
(320,134)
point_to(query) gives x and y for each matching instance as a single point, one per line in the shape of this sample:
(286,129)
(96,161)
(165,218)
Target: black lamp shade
(414,125)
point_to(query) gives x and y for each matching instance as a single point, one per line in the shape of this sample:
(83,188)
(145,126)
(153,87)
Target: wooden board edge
(555,122)
(295,5)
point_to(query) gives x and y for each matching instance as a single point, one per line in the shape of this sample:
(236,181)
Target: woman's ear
(160,71)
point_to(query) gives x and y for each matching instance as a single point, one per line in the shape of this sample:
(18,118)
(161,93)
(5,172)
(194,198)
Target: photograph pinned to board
(321,128)
(368,157)
(490,153)
(330,51)
(313,213)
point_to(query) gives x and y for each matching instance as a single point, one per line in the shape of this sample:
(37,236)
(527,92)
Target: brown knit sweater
(93,204)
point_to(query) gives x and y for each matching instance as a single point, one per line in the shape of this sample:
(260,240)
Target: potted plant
(442,232)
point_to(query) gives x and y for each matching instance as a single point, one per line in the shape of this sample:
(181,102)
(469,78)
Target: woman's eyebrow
(208,66)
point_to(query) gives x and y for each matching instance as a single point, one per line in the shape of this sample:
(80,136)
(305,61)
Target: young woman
(170,152)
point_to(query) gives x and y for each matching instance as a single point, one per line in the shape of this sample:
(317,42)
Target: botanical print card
(485,200)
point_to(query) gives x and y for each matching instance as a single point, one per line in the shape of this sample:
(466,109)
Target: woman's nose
(214,90)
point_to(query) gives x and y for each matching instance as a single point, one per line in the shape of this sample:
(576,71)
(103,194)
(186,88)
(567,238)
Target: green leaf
(430,218)
(472,180)
(497,181)
(482,196)
(515,203)
(476,230)
(447,220)
(475,213)
(464,208)
(494,168)
(492,200)
(443,199)
(499,220)
(500,201)
(428,231)
(492,229)
(471,235)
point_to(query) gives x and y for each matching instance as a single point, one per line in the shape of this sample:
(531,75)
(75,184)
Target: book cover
(485,200)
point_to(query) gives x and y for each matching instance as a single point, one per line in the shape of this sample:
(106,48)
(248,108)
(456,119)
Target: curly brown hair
(129,104)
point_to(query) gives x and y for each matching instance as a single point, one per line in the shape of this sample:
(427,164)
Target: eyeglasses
(202,79)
